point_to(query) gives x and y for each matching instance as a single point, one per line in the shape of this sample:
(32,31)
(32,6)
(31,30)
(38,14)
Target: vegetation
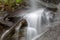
(11,5)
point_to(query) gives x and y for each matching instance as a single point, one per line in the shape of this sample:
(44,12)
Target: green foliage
(12,1)
(10,5)
(19,1)
(7,2)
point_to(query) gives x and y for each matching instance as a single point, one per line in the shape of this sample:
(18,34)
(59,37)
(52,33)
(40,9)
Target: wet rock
(52,9)
(52,34)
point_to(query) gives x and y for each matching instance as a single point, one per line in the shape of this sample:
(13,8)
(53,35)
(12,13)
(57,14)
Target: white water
(33,4)
(35,21)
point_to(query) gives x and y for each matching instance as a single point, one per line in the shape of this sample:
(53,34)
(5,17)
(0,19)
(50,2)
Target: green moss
(19,1)
(11,1)
(6,1)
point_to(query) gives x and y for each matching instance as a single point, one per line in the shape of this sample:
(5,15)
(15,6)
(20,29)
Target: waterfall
(33,4)
(37,20)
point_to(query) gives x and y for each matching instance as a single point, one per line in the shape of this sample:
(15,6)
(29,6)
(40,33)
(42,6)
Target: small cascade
(37,21)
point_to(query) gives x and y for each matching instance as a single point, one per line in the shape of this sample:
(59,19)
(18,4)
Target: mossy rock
(19,1)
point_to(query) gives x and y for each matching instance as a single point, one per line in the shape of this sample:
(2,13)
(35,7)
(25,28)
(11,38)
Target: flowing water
(37,20)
